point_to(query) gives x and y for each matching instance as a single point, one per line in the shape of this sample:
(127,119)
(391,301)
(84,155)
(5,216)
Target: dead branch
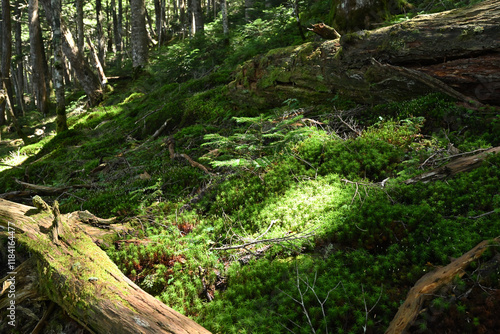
(270,241)
(324,31)
(429,284)
(173,155)
(463,164)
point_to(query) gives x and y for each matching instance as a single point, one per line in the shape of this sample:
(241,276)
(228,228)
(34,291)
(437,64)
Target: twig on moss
(271,240)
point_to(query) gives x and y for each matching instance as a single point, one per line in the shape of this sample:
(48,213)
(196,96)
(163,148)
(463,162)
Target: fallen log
(456,53)
(460,165)
(72,271)
(428,286)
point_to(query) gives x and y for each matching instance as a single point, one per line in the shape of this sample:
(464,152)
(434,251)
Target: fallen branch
(44,190)
(463,164)
(324,31)
(173,155)
(429,284)
(271,241)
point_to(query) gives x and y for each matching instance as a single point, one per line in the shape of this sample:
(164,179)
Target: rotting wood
(79,276)
(429,284)
(324,31)
(462,164)
(439,52)
(173,155)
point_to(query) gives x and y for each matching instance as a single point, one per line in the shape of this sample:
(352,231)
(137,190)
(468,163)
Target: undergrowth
(298,226)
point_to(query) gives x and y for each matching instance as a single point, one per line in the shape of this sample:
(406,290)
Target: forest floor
(293,218)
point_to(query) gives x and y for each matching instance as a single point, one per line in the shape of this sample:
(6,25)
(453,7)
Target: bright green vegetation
(280,172)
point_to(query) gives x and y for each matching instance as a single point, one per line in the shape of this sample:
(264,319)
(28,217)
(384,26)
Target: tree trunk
(116,33)
(61,123)
(100,31)
(357,15)
(40,90)
(87,78)
(225,21)
(19,57)
(79,25)
(100,70)
(77,275)
(139,38)
(6,50)
(197,25)
(454,52)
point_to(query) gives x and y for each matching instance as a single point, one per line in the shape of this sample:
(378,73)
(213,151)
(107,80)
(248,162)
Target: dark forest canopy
(195,166)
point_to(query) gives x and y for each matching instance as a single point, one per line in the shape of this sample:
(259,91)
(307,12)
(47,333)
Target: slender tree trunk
(100,70)
(249,10)
(109,28)
(79,25)
(116,33)
(139,37)
(297,18)
(6,50)
(100,32)
(19,57)
(158,19)
(225,22)
(61,123)
(40,90)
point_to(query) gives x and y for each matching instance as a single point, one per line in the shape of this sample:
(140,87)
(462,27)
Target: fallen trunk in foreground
(73,272)
(455,52)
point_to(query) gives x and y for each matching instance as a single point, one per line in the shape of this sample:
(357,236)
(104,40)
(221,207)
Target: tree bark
(19,57)
(87,78)
(79,25)
(197,25)
(40,90)
(6,50)
(78,276)
(61,123)
(139,38)
(100,31)
(455,52)
(225,21)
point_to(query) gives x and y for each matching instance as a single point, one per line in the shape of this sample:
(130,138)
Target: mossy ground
(278,172)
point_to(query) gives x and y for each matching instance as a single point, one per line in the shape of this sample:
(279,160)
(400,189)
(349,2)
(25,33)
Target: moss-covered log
(77,275)
(455,52)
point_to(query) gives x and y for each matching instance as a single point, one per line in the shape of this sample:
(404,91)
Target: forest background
(246,198)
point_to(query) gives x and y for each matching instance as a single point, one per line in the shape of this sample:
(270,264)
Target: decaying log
(326,32)
(429,284)
(462,164)
(78,276)
(455,52)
